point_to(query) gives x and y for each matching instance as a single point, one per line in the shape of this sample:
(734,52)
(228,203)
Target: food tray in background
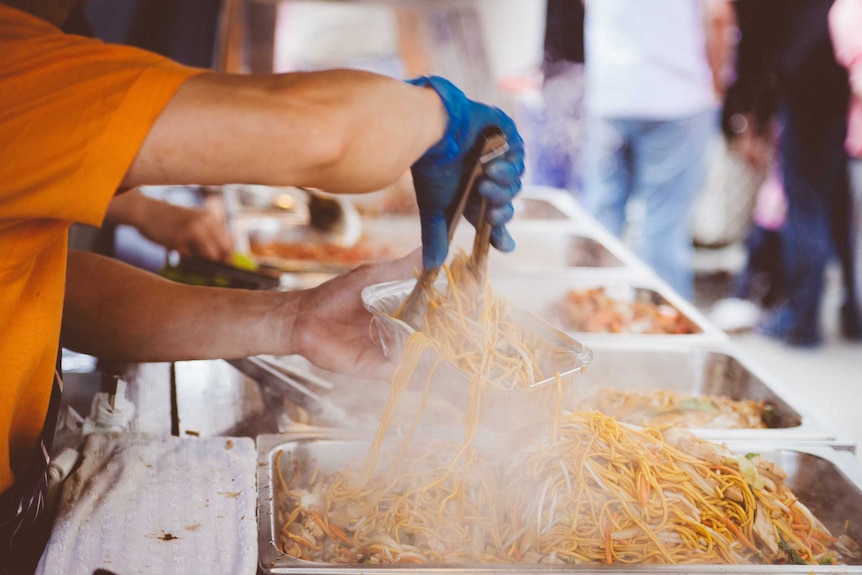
(827,481)
(531,208)
(398,200)
(549,246)
(251,199)
(620,306)
(281,243)
(544,203)
(550,228)
(692,372)
(550,231)
(534,203)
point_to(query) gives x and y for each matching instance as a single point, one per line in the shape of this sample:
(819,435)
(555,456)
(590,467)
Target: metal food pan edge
(508,282)
(584,230)
(273,562)
(813,430)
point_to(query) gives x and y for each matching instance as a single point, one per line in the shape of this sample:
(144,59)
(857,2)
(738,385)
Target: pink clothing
(845,25)
(770,208)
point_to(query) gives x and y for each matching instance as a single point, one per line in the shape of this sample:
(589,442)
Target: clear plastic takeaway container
(556,354)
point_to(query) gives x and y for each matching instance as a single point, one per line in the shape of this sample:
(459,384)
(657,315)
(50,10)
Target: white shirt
(646,59)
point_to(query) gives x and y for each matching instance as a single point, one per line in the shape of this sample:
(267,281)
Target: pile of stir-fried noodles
(584,489)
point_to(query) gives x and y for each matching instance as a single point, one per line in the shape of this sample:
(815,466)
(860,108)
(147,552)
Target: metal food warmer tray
(693,372)
(534,203)
(555,245)
(698,371)
(579,221)
(537,202)
(282,244)
(550,228)
(827,481)
(546,295)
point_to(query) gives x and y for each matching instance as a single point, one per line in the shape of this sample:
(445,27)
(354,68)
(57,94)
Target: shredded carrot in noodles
(583,489)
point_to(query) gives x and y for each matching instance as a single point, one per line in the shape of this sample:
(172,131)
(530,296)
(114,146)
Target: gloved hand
(437,174)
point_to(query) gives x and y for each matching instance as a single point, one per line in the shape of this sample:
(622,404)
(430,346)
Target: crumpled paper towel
(153,504)
(109,413)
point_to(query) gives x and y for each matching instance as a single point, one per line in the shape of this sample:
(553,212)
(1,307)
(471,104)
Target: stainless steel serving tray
(530,207)
(534,203)
(550,229)
(826,480)
(550,245)
(543,294)
(358,404)
(263,235)
(545,203)
(245,199)
(701,370)
(542,245)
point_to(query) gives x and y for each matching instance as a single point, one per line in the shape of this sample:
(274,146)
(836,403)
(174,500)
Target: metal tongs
(300,387)
(491,144)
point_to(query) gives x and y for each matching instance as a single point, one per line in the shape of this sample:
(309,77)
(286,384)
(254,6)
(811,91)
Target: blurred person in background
(787,73)
(845,24)
(653,78)
(556,143)
(82,121)
(758,286)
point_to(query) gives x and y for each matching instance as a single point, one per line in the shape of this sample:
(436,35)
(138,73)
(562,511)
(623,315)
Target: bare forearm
(344,131)
(721,18)
(130,208)
(118,312)
(193,231)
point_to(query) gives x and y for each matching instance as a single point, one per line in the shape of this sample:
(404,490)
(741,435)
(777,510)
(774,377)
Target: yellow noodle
(587,489)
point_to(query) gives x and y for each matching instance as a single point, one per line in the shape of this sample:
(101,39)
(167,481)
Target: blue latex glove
(437,174)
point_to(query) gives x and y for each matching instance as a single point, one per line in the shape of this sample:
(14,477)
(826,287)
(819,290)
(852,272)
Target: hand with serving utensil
(440,170)
(189,231)
(154,319)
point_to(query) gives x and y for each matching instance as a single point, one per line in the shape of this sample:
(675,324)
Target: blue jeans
(817,227)
(660,162)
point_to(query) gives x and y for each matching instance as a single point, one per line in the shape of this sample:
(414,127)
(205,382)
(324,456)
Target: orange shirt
(73,114)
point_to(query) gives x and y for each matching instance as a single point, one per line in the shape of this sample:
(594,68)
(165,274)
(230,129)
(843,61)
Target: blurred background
(709,137)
